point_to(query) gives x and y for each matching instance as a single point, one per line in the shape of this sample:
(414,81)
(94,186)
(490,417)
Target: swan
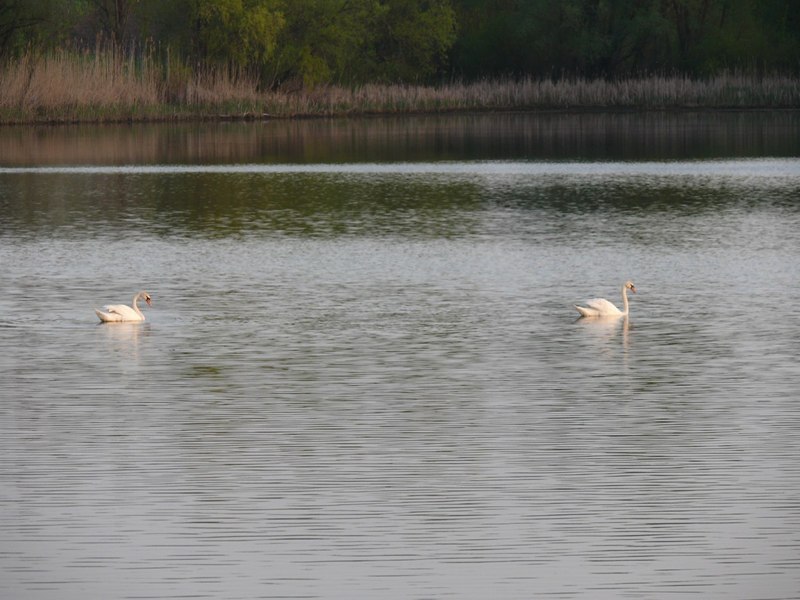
(119,312)
(600,307)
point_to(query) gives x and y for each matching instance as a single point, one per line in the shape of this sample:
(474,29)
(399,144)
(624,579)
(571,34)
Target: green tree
(324,40)
(780,20)
(585,37)
(40,25)
(15,18)
(114,17)
(352,41)
(235,31)
(413,39)
(312,42)
(619,37)
(721,34)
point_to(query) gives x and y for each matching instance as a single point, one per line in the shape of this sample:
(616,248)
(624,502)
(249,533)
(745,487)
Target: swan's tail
(106,317)
(585,312)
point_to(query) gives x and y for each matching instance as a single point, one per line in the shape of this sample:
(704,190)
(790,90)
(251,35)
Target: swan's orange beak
(633,289)
(148,302)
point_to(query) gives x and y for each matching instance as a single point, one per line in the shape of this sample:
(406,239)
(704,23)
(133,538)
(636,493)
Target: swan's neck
(136,306)
(624,300)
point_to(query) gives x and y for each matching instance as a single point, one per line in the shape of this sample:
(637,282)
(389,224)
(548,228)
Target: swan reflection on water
(606,329)
(125,336)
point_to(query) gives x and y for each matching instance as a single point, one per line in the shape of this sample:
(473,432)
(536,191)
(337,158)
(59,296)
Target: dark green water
(363,376)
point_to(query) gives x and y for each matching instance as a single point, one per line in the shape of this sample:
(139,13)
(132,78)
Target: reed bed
(109,85)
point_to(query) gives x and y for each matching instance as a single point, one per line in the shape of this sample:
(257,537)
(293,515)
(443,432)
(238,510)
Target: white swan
(113,313)
(600,307)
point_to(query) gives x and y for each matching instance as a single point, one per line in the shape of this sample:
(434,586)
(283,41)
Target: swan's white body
(600,307)
(113,313)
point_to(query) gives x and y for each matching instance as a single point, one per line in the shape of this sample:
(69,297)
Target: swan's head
(628,286)
(146,297)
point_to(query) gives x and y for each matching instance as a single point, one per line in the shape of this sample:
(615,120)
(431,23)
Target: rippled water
(366,379)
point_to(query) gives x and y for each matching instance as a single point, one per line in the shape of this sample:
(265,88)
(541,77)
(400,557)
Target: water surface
(363,376)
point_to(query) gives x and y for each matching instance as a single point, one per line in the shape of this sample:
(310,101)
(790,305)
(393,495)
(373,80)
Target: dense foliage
(622,37)
(293,43)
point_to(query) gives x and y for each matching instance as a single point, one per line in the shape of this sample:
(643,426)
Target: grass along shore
(110,86)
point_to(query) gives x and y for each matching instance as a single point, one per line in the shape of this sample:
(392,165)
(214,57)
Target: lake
(363,375)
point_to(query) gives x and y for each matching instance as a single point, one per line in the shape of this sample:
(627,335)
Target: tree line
(304,43)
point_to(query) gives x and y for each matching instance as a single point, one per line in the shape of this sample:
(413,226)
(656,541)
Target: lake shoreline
(261,118)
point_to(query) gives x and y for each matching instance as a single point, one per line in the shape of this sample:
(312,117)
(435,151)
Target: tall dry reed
(64,84)
(112,85)
(108,84)
(656,92)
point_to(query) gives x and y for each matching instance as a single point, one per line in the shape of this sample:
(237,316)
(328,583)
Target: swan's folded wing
(121,310)
(602,305)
